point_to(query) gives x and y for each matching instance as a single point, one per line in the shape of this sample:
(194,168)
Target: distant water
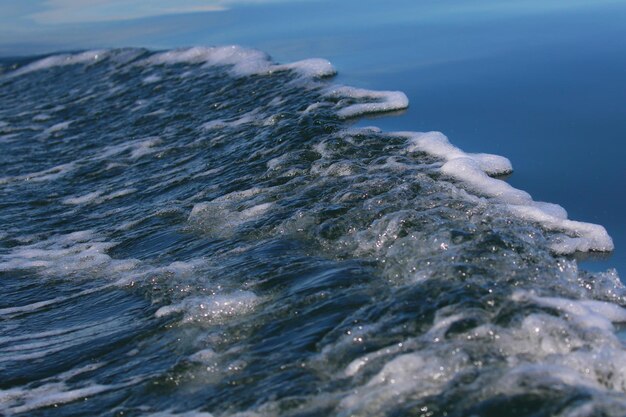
(202,232)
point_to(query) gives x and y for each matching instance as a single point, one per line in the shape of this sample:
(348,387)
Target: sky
(29,27)
(37,26)
(14,14)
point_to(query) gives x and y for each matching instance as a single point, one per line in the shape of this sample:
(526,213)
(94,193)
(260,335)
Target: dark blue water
(201,232)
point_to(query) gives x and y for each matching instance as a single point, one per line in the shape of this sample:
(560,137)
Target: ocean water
(540,82)
(206,232)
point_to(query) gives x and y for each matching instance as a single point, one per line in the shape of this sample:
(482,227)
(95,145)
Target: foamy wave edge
(474,171)
(243,61)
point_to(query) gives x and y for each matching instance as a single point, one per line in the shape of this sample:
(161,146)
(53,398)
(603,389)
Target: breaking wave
(203,232)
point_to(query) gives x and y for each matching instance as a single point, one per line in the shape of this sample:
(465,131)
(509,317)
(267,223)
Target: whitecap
(87,57)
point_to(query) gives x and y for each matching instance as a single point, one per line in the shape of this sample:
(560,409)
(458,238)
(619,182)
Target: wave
(284,261)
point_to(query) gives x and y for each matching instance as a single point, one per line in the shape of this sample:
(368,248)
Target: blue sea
(311,208)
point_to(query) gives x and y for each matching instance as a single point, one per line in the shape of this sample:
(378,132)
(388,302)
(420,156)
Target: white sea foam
(178,270)
(221,219)
(71,254)
(577,348)
(586,313)
(436,144)
(585,236)
(314,67)
(222,216)
(377,101)
(212,309)
(52,391)
(412,374)
(242,61)
(61,60)
(474,170)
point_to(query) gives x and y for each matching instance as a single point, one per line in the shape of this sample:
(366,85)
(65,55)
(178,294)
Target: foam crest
(436,144)
(312,68)
(242,61)
(585,237)
(474,171)
(366,101)
(87,57)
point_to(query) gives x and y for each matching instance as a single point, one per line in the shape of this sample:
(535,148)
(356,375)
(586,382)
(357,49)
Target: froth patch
(69,254)
(54,391)
(475,170)
(23,399)
(212,309)
(414,375)
(436,144)
(357,101)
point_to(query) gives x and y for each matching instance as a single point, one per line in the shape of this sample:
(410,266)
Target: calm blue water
(189,239)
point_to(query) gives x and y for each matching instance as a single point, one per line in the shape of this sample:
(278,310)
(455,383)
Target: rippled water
(201,232)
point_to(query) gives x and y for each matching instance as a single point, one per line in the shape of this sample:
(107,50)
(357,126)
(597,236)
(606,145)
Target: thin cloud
(81,11)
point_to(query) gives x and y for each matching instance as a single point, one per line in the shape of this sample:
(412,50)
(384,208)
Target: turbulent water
(201,232)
